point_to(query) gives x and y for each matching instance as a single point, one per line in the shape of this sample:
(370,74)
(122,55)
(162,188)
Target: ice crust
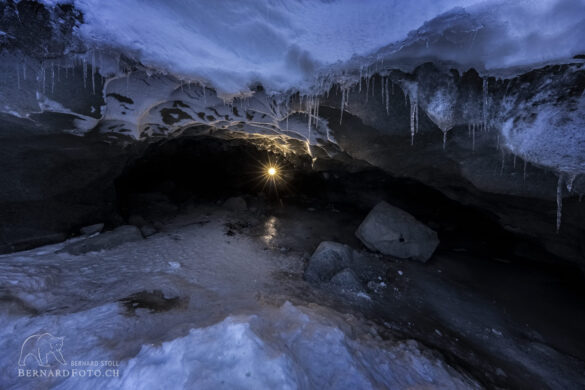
(285,44)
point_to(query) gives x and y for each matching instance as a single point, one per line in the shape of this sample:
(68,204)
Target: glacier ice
(283,45)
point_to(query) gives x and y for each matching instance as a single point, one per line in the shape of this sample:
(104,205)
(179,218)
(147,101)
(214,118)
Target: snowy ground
(196,306)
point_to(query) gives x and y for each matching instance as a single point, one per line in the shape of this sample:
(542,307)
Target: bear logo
(40,347)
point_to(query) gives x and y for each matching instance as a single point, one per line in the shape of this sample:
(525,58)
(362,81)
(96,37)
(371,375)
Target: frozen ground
(198,306)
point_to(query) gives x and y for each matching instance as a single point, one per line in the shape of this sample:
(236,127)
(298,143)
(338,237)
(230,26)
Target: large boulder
(329,258)
(103,241)
(394,232)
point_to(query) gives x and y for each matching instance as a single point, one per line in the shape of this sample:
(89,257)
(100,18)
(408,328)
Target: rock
(329,258)
(52,184)
(107,240)
(148,230)
(35,239)
(235,204)
(92,229)
(347,280)
(394,232)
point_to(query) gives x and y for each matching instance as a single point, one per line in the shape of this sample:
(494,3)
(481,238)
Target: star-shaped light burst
(273,175)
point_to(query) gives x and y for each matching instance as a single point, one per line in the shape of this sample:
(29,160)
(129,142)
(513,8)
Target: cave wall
(53,184)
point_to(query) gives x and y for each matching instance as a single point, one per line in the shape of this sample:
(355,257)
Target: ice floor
(196,306)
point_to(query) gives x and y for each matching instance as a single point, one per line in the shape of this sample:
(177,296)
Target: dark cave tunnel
(171,175)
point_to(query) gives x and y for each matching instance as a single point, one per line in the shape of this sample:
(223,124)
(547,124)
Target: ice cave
(292,194)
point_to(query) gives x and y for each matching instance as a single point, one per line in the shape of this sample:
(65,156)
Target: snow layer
(286,348)
(235,327)
(284,44)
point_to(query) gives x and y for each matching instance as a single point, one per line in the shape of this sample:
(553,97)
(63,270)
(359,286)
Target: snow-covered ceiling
(287,44)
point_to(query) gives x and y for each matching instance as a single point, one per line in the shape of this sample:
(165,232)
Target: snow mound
(286,348)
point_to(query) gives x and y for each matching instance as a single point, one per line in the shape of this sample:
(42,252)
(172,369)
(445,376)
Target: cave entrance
(174,173)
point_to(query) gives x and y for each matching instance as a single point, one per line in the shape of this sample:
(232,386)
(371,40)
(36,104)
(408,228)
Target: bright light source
(272,171)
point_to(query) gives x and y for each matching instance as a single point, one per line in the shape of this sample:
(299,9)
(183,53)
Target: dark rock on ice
(329,259)
(393,232)
(108,240)
(92,229)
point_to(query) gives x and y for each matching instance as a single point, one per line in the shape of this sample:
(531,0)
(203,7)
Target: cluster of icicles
(91,63)
(56,70)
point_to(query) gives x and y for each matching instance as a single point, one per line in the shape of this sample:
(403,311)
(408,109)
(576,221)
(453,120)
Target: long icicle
(485,103)
(342,104)
(559,201)
(93,72)
(52,78)
(387,98)
(84,70)
(413,117)
(444,139)
(309,108)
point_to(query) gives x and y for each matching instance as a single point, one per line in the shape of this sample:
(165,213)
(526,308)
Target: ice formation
(284,44)
(264,68)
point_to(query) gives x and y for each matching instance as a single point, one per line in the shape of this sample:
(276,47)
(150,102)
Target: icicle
(485,103)
(43,76)
(367,87)
(373,87)
(52,78)
(387,98)
(503,161)
(413,117)
(93,72)
(24,69)
(382,88)
(569,181)
(361,70)
(308,105)
(18,76)
(514,162)
(525,164)
(444,138)
(473,137)
(559,201)
(316,113)
(84,70)
(342,105)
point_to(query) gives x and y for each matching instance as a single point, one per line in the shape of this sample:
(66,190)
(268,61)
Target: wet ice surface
(198,307)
